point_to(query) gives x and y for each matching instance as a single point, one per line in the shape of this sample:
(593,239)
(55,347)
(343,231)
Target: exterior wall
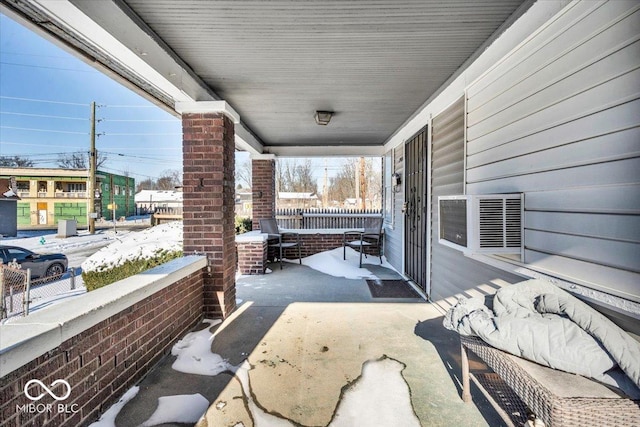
(24,213)
(76,211)
(313,243)
(452,273)
(208,204)
(551,111)
(100,363)
(394,227)
(56,191)
(120,190)
(8,218)
(559,120)
(253,251)
(263,184)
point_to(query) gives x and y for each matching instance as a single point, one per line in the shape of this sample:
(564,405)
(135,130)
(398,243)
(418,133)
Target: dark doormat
(391,289)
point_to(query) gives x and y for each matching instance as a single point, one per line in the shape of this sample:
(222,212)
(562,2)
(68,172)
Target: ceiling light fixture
(323,117)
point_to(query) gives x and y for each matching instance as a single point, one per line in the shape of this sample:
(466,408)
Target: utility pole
(325,189)
(92,173)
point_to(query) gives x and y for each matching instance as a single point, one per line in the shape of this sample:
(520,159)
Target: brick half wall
(253,252)
(102,362)
(312,244)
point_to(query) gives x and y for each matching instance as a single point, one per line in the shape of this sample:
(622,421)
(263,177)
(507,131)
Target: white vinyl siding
(393,240)
(452,273)
(558,119)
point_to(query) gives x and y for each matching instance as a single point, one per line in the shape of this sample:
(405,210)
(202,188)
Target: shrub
(243,225)
(97,279)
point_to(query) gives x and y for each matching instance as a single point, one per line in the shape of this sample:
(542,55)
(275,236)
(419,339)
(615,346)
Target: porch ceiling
(373,63)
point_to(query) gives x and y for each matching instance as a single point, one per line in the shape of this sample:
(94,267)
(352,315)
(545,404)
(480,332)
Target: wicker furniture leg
(466,391)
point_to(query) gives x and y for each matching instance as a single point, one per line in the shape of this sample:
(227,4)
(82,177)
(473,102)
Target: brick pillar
(208,215)
(263,188)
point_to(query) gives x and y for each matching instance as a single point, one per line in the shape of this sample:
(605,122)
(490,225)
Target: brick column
(208,149)
(263,188)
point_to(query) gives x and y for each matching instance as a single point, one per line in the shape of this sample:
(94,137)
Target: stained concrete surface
(307,336)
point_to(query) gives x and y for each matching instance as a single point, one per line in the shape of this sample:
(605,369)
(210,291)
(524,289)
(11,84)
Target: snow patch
(182,408)
(332,263)
(143,244)
(380,397)
(194,354)
(108,419)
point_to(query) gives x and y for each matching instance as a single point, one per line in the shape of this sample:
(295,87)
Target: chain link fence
(13,290)
(19,293)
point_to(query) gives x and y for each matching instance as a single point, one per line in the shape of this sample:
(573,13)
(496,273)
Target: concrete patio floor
(307,338)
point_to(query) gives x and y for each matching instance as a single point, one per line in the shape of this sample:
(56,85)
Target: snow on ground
(143,244)
(116,247)
(380,397)
(108,419)
(183,408)
(331,262)
(194,354)
(46,241)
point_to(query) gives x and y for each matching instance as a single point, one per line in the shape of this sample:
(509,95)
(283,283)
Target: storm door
(415,209)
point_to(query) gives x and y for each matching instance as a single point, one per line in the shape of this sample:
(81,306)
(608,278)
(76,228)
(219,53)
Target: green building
(49,195)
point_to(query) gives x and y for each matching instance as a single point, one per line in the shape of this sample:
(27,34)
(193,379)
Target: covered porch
(470,99)
(315,349)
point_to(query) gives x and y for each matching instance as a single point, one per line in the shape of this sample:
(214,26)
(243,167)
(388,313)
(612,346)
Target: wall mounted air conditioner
(483,223)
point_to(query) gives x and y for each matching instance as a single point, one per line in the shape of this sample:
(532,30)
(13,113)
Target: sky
(45,97)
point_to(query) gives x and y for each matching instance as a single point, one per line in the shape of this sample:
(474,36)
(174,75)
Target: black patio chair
(371,237)
(274,239)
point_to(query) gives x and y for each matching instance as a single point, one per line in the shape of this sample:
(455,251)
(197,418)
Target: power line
(154,149)
(134,156)
(140,134)
(47,67)
(42,100)
(139,120)
(39,145)
(127,172)
(129,106)
(5,52)
(43,116)
(44,130)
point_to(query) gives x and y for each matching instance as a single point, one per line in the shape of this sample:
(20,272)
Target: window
(77,187)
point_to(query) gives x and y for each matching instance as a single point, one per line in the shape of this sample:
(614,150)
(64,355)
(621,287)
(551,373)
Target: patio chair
(274,239)
(371,237)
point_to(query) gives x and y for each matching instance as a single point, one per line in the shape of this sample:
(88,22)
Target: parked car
(41,265)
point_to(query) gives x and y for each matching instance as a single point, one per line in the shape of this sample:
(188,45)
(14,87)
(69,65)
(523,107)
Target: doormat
(391,289)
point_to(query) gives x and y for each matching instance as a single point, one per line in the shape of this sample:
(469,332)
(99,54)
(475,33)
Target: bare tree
(147,184)
(295,177)
(169,180)
(343,185)
(243,174)
(15,162)
(79,160)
